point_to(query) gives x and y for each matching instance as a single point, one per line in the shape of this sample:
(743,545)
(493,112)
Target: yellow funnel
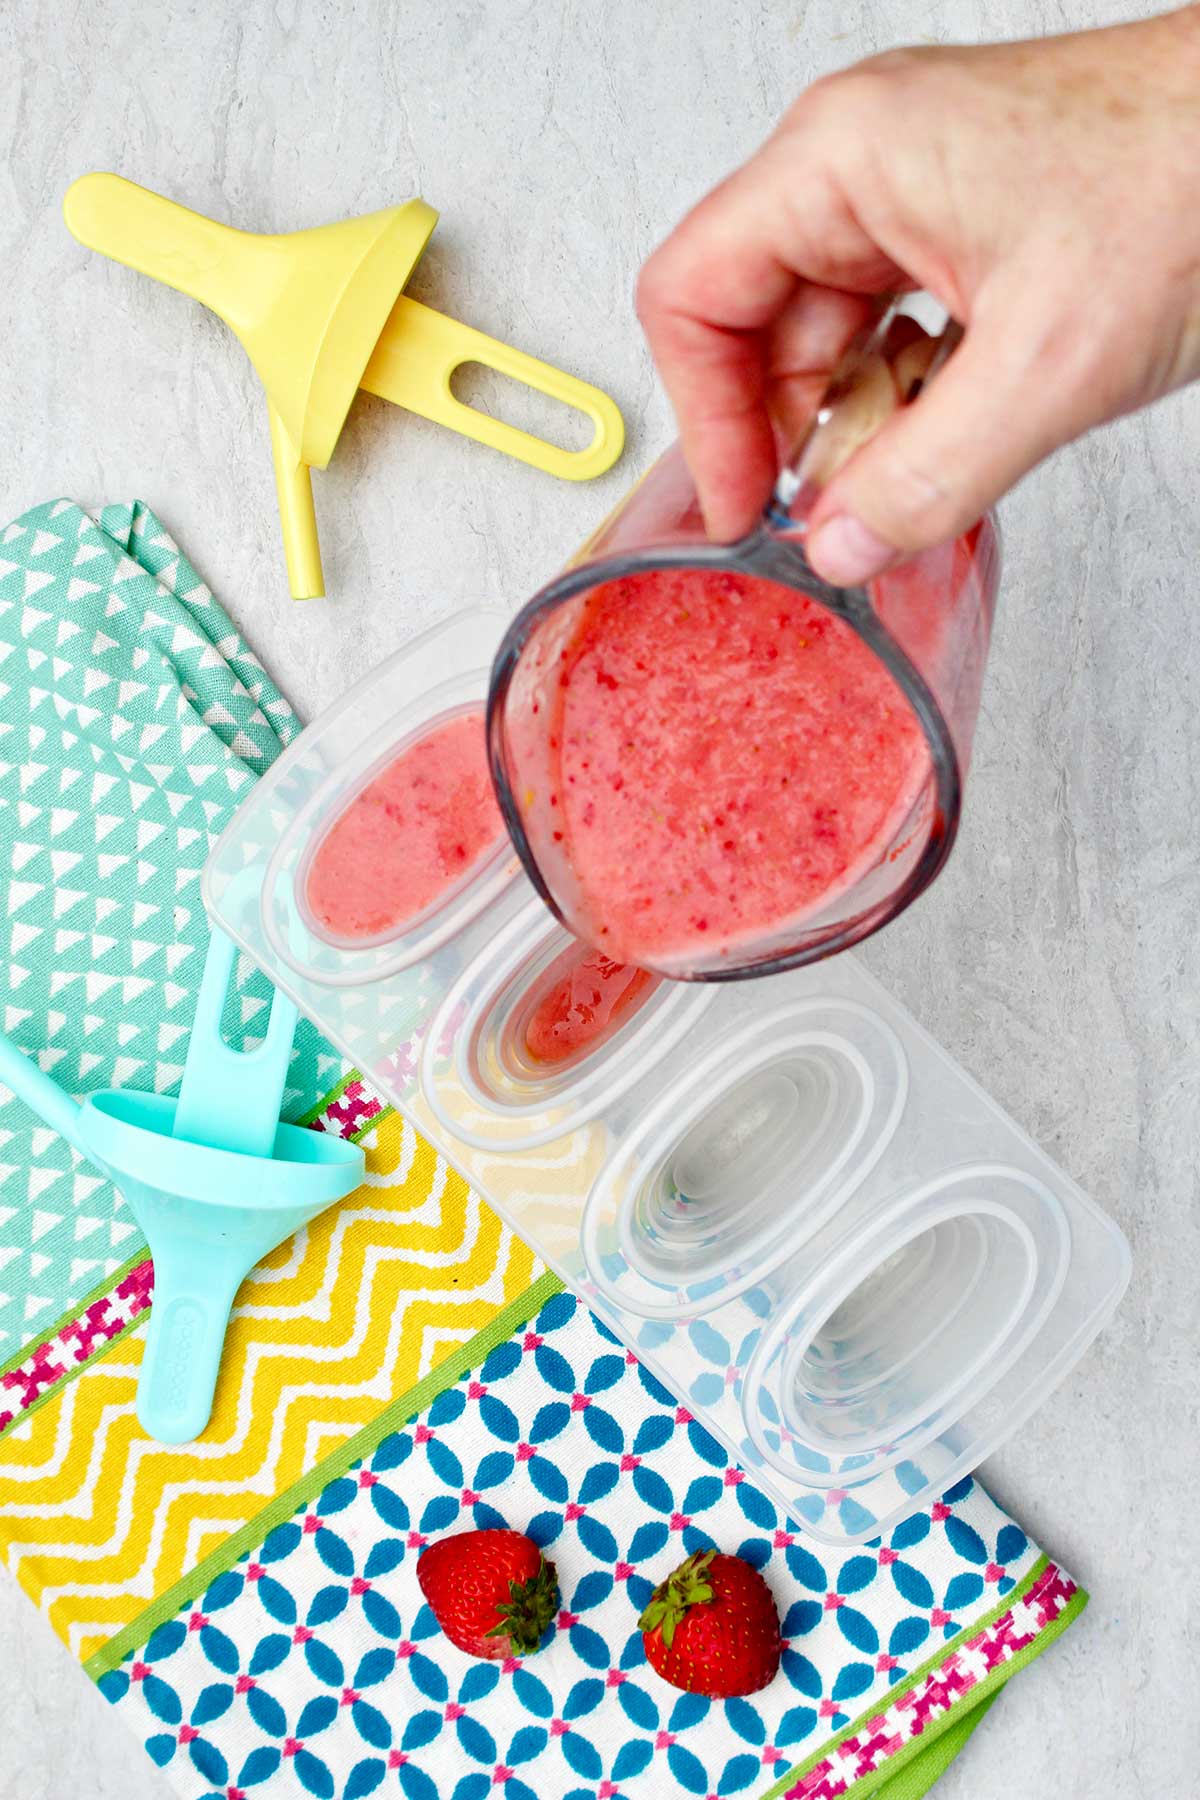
(320,313)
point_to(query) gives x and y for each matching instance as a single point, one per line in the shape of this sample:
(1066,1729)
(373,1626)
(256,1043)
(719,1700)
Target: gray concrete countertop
(1058,957)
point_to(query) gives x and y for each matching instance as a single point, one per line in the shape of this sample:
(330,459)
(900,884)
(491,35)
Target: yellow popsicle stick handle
(198,256)
(293,484)
(418,352)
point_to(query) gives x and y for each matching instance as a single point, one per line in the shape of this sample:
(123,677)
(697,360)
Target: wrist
(1159,80)
(1176,41)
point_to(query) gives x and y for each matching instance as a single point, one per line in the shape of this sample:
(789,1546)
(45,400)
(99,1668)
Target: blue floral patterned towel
(313,1666)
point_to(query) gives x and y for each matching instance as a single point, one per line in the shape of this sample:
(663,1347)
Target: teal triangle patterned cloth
(108,805)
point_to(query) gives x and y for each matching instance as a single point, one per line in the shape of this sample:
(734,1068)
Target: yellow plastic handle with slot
(316,308)
(308,307)
(416,356)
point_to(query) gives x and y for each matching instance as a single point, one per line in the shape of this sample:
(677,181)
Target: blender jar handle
(885,367)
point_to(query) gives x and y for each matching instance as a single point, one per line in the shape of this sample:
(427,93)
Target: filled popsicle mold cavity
(574,1008)
(479,1069)
(415,831)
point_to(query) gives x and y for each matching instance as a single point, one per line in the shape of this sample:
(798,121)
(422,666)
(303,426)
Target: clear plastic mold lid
(785,1233)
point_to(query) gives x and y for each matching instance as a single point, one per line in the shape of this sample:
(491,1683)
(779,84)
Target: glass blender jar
(911,646)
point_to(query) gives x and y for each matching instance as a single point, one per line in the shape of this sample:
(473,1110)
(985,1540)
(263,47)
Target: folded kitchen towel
(313,1654)
(131,718)
(403,1368)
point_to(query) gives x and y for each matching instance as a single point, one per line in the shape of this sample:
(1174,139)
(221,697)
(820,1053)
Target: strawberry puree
(409,836)
(581,1000)
(722,757)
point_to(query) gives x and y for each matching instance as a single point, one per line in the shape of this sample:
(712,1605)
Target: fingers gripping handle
(417,354)
(884,369)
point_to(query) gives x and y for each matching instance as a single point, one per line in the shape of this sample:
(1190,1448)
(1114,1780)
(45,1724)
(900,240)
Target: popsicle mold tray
(795,1207)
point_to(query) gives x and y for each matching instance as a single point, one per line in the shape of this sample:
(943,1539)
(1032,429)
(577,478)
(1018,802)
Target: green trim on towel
(356,1137)
(75,1311)
(335,1093)
(915,1781)
(878,1782)
(393,1417)
(910,1761)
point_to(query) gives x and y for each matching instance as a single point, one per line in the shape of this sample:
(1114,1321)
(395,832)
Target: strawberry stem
(684,1587)
(530,1607)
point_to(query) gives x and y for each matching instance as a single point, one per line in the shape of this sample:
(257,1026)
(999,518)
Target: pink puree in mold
(582,999)
(409,836)
(722,757)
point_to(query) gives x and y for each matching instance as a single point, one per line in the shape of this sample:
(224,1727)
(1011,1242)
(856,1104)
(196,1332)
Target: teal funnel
(214,1180)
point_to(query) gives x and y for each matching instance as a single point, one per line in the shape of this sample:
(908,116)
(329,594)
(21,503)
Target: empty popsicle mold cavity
(744,1158)
(895,1335)
(313,947)
(478,1070)
(724,1191)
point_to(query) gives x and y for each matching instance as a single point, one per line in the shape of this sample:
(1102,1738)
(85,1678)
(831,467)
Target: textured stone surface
(1058,957)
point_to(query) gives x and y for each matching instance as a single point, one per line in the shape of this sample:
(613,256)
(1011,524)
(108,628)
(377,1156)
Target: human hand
(1045,192)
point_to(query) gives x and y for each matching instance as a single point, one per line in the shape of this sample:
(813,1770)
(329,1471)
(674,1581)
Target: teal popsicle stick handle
(193,1296)
(50,1102)
(230,1099)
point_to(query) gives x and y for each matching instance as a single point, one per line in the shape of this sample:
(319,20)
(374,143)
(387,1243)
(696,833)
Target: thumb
(997,408)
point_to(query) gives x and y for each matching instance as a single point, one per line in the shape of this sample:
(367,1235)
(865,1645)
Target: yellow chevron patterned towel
(403,1367)
(133,717)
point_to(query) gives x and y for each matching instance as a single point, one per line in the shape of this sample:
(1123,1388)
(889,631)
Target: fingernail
(845,553)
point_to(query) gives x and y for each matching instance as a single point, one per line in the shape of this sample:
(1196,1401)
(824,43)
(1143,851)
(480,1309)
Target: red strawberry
(492,1592)
(712,1628)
